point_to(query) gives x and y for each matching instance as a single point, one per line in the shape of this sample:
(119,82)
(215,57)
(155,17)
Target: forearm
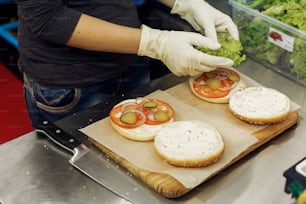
(99,35)
(168,3)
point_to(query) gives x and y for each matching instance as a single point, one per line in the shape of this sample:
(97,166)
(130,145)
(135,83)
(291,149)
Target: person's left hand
(205,18)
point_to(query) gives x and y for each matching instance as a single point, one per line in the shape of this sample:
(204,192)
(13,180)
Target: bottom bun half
(142,133)
(189,144)
(196,89)
(260,105)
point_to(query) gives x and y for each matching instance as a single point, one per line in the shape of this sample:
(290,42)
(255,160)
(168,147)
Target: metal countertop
(35,170)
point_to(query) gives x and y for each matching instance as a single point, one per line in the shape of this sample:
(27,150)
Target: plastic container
(271,42)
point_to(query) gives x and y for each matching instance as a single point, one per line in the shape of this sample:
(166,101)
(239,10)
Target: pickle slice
(129,118)
(161,116)
(233,77)
(213,83)
(150,104)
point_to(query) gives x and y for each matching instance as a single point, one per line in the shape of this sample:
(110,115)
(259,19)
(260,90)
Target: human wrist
(151,42)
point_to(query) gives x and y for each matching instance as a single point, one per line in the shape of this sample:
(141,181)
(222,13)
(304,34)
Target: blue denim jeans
(54,104)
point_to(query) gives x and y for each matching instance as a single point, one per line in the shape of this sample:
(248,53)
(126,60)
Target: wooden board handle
(163,184)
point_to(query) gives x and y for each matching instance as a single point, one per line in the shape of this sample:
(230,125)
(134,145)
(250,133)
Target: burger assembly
(193,143)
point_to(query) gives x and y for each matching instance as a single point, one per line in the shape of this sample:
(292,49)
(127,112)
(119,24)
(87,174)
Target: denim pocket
(52,100)
(56,100)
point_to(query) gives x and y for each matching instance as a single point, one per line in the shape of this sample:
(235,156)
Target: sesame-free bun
(148,117)
(189,144)
(199,85)
(260,105)
(142,133)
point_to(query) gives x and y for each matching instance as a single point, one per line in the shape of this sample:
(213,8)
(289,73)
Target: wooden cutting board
(167,185)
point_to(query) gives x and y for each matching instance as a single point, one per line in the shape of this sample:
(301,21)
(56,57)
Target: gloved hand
(205,18)
(175,49)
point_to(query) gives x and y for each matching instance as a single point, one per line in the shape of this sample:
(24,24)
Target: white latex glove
(205,18)
(175,49)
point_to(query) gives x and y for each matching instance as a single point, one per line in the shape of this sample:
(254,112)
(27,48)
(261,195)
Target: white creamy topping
(144,130)
(188,140)
(259,102)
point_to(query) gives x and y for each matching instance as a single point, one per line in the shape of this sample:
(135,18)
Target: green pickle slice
(161,116)
(150,104)
(232,77)
(128,118)
(214,83)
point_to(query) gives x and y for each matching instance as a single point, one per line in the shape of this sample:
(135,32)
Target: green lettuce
(290,12)
(254,35)
(230,48)
(297,58)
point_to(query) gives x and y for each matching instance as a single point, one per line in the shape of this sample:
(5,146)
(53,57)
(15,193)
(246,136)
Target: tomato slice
(144,115)
(129,106)
(117,112)
(228,78)
(161,106)
(206,91)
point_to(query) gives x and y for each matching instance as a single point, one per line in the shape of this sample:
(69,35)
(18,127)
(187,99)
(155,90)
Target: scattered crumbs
(129,174)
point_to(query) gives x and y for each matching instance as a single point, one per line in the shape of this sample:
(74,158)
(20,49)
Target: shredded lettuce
(230,48)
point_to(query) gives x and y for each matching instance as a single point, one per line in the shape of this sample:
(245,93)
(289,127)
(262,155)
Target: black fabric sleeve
(49,19)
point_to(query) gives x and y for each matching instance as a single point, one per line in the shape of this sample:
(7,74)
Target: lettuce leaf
(254,35)
(230,48)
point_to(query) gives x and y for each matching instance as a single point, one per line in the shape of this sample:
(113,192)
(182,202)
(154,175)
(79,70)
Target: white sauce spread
(188,140)
(144,130)
(259,102)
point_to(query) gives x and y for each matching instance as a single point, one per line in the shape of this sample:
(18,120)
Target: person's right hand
(205,18)
(176,50)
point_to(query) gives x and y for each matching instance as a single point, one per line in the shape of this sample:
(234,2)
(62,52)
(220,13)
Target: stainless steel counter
(34,170)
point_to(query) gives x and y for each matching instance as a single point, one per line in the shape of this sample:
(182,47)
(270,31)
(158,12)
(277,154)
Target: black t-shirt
(46,25)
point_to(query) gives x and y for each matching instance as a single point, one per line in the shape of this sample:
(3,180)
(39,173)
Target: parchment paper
(237,135)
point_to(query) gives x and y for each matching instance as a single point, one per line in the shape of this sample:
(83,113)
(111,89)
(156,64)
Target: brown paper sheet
(237,135)
(143,155)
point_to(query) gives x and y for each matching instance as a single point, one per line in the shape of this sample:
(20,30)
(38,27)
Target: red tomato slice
(144,115)
(129,106)
(116,113)
(208,92)
(222,74)
(161,106)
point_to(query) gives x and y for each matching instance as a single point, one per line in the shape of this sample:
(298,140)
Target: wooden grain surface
(168,186)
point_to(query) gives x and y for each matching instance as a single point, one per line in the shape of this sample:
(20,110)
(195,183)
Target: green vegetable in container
(297,58)
(254,34)
(290,12)
(230,48)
